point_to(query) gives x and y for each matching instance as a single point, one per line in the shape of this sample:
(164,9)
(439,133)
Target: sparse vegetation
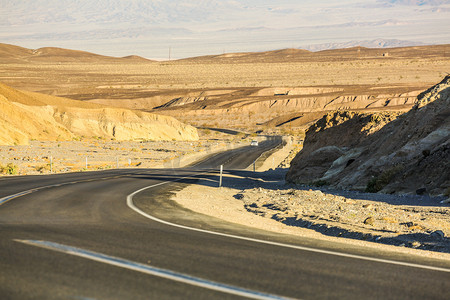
(43,168)
(319,183)
(377,183)
(9,169)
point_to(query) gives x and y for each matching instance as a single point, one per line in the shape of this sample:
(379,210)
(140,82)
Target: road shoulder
(229,204)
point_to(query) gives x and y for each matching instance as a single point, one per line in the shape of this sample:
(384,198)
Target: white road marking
(8,198)
(136,209)
(147,269)
(20,194)
(329,252)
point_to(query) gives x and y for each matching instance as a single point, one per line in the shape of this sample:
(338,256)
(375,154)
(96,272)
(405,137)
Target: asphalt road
(116,235)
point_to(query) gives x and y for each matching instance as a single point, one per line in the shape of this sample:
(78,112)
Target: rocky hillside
(25,116)
(383,152)
(279,106)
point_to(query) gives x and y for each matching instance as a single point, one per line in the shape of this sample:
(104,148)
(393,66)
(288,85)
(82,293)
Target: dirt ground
(266,204)
(146,84)
(89,155)
(410,224)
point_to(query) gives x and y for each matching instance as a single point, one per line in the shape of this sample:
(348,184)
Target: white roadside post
(220,178)
(117,162)
(51,164)
(86,162)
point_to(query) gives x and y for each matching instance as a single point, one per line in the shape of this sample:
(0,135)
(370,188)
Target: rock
(415,226)
(367,206)
(445,201)
(421,191)
(349,201)
(390,220)
(438,234)
(416,244)
(239,196)
(369,221)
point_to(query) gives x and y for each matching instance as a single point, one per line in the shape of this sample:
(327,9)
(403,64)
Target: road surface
(116,235)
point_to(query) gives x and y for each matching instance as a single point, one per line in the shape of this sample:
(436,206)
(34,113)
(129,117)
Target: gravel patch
(265,201)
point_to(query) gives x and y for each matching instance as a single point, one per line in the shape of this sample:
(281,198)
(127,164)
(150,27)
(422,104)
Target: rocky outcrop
(25,116)
(278,106)
(333,142)
(381,152)
(182,101)
(284,103)
(19,124)
(121,124)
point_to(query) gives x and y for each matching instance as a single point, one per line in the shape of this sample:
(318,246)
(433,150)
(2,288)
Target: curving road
(116,235)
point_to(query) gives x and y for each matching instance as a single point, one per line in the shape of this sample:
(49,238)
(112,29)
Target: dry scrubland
(83,79)
(236,78)
(98,154)
(275,91)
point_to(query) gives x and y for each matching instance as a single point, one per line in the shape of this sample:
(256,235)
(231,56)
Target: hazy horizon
(194,28)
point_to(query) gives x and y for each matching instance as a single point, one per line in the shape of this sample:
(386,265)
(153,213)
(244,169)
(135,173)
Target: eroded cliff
(381,151)
(26,115)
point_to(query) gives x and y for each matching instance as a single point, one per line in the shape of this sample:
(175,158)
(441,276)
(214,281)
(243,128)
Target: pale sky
(202,27)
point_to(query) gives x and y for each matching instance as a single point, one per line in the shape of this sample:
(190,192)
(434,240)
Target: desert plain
(270,93)
(236,90)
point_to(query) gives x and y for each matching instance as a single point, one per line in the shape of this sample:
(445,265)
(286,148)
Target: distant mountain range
(378,43)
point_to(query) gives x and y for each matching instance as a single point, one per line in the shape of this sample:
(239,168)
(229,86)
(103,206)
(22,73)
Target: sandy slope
(28,115)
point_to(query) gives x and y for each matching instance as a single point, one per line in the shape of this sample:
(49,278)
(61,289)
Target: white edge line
(136,209)
(380,260)
(20,194)
(150,270)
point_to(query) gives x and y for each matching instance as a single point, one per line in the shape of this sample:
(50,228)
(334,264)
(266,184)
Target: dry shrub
(377,183)
(43,168)
(9,169)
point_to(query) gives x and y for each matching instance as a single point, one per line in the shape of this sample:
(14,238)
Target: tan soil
(70,156)
(234,90)
(25,116)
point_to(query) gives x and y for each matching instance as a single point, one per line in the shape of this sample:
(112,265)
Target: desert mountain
(381,151)
(377,43)
(328,54)
(11,53)
(28,115)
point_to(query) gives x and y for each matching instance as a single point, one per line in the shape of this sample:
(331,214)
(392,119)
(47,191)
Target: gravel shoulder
(411,224)
(88,154)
